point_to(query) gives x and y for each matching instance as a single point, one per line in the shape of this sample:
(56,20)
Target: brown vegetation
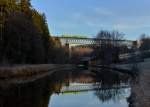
(28,71)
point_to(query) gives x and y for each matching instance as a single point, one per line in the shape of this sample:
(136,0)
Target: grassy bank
(22,71)
(26,72)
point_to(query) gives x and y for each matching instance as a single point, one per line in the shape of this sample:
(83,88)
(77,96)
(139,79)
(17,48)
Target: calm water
(90,99)
(70,89)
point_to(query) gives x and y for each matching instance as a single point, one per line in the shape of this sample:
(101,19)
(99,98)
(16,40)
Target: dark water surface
(79,88)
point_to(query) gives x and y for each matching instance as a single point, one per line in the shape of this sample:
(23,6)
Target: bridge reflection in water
(48,91)
(90,87)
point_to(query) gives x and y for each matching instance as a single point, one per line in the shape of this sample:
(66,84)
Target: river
(78,88)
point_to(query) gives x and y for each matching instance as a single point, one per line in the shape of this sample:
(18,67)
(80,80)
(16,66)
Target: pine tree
(26,7)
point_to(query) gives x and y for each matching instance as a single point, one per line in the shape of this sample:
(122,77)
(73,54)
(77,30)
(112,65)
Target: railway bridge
(73,42)
(89,44)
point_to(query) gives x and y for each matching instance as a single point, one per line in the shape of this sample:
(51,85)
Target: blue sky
(88,17)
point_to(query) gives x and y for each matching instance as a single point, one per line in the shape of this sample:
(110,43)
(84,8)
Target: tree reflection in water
(111,85)
(33,94)
(115,94)
(38,93)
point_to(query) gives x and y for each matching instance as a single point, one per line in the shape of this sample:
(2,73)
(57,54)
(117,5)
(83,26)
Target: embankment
(27,73)
(122,69)
(140,96)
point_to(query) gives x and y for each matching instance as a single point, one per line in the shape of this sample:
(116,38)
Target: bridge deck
(91,41)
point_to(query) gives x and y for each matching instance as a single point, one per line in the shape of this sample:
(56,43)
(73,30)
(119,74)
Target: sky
(88,17)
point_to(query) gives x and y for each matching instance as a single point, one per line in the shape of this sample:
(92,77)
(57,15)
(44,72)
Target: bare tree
(145,42)
(144,45)
(108,46)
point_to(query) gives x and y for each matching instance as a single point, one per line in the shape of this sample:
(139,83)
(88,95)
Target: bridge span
(89,41)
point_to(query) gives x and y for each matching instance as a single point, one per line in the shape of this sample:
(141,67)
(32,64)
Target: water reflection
(47,92)
(113,85)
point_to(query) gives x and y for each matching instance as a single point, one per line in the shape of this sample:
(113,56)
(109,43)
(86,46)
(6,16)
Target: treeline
(25,37)
(111,46)
(108,51)
(144,42)
(144,46)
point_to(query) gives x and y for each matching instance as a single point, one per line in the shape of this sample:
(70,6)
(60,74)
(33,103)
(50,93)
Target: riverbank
(119,68)
(29,73)
(140,91)
(140,96)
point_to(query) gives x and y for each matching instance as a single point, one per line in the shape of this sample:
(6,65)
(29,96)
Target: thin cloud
(133,23)
(104,12)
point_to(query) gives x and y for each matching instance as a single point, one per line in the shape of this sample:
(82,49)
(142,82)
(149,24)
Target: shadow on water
(39,92)
(33,94)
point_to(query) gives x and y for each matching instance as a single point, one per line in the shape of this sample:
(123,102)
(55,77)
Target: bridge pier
(69,49)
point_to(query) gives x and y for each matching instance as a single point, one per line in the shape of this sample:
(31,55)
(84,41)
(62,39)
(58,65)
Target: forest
(25,37)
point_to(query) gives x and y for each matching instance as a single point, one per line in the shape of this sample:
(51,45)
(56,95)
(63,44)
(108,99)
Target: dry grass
(24,71)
